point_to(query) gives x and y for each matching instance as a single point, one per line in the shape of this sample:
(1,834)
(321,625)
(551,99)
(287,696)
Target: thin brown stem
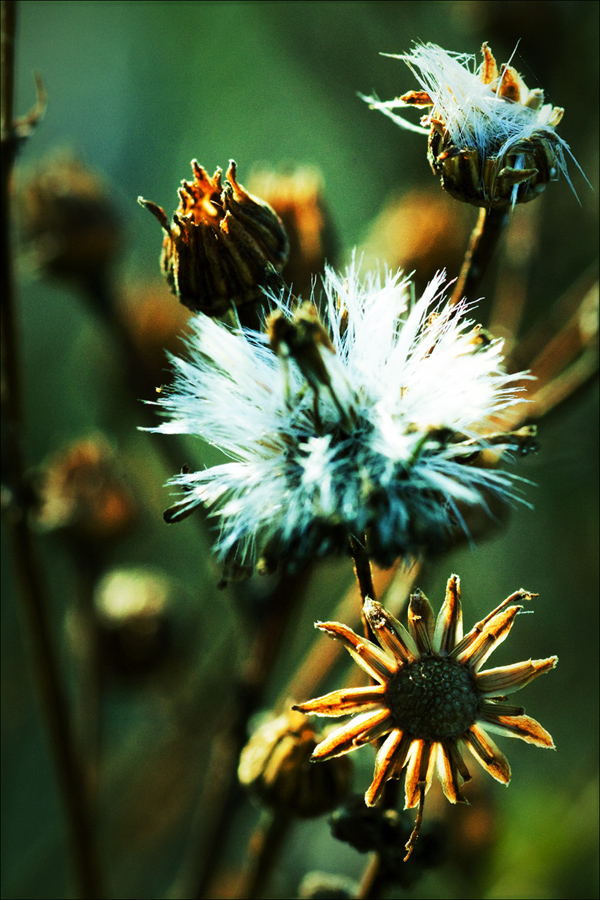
(30,579)
(370,880)
(484,240)
(264,846)
(410,844)
(221,794)
(364,577)
(7,88)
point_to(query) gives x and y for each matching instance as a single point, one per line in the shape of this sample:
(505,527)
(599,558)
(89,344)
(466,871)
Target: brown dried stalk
(484,240)
(30,578)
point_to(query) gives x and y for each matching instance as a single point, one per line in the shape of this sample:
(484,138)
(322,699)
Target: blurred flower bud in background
(69,221)
(275,765)
(133,614)
(423,231)
(298,199)
(85,496)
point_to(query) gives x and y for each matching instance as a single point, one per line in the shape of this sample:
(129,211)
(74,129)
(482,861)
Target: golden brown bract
(223,244)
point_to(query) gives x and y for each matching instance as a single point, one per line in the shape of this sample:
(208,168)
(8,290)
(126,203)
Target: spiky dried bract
(370,420)
(432,699)
(222,245)
(492,141)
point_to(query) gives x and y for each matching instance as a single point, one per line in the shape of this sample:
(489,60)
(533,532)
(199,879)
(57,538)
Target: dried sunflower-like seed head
(430,699)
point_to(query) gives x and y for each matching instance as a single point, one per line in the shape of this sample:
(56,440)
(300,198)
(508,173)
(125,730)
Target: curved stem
(484,239)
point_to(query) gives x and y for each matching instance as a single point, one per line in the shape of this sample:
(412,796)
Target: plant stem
(264,846)
(31,585)
(364,577)
(484,239)
(222,794)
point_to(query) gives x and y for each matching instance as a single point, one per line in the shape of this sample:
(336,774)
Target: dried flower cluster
(222,243)
(366,418)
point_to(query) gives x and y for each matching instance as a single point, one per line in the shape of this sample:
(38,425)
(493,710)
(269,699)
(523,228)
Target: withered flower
(430,699)
(275,765)
(223,244)
(69,221)
(298,199)
(370,419)
(492,141)
(85,496)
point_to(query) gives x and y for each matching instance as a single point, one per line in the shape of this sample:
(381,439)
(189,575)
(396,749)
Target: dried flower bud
(492,141)
(302,338)
(222,245)
(69,220)
(326,886)
(423,232)
(297,198)
(132,611)
(275,764)
(84,495)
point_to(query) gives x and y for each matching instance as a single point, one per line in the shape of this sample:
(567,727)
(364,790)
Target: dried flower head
(371,420)
(222,244)
(69,220)
(298,199)
(492,141)
(84,494)
(430,699)
(275,765)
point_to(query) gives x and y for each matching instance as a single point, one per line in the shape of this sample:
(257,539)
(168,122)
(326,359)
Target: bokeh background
(137,90)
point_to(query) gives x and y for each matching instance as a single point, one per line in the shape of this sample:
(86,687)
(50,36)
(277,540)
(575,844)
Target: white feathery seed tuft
(387,450)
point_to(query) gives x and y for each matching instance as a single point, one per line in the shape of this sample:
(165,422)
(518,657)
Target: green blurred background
(138,90)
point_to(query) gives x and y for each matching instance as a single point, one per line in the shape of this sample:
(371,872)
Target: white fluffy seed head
(381,451)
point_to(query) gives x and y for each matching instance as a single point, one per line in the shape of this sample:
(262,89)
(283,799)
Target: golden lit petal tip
(508,679)
(366,654)
(344,702)
(523,727)
(479,644)
(448,627)
(421,621)
(389,763)
(390,632)
(419,772)
(356,733)
(452,771)
(488,754)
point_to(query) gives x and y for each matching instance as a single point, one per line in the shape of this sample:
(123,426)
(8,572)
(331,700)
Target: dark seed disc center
(433,699)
